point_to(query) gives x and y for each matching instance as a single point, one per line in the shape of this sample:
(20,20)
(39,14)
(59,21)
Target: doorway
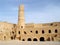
(42,39)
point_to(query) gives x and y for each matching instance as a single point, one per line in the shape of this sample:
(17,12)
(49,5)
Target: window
(51,24)
(21,26)
(49,31)
(12,32)
(42,31)
(19,32)
(36,32)
(25,32)
(30,31)
(12,38)
(56,31)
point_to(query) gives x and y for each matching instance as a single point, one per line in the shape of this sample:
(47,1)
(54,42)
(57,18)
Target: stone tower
(21,22)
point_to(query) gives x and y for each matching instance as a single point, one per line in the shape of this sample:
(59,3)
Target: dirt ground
(16,42)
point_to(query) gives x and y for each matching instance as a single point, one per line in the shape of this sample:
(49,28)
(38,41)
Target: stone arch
(29,39)
(42,39)
(35,39)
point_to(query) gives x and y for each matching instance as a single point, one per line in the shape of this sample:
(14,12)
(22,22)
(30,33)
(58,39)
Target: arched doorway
(42,39)
(29,39)
(35,39)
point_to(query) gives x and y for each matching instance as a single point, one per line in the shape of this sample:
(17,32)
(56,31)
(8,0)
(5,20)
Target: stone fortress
(30,31)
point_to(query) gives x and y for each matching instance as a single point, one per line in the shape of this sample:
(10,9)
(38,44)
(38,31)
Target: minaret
(21,21)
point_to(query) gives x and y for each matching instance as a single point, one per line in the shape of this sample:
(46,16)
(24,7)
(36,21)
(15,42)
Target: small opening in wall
(11,38)
(21,26)
(56,31)
(19,32)
(36,32)
(49,31)
(25,32)
(23,39)
(30,31)
(12,32)
(42,31)
(51,24)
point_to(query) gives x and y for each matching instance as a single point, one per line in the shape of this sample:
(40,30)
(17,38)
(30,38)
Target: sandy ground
(27,43)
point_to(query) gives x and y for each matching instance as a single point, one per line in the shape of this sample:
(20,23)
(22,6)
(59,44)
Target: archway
(29,39)
(35,39)
(42,39)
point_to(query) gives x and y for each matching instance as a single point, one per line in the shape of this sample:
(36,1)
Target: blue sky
(36,11)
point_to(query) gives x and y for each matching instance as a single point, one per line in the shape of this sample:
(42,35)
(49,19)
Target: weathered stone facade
(30,31)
